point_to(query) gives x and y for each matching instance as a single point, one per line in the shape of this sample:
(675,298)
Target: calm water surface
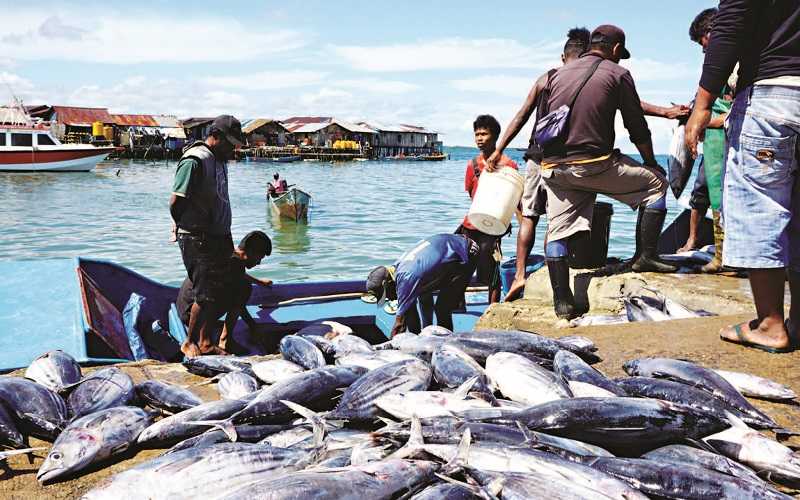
(363,214)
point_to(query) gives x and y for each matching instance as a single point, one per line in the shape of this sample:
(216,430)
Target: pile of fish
(480,414)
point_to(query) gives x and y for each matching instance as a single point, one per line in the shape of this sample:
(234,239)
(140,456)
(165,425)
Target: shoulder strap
(586,78)
(475,169)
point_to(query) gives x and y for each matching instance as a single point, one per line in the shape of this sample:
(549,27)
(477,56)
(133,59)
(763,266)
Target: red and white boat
(29,147)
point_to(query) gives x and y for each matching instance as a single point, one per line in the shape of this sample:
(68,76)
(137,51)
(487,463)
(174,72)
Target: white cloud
(326,100)
(511,86)
(133,37)
(377,86)
(449,53)
(268,80)
(649,70)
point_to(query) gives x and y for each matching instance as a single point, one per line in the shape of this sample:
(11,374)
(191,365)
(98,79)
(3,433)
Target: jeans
(761,198)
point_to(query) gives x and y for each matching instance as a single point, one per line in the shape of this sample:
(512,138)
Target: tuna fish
(682,454)
(358,401)
(583,380)
(435,331)
(480,344)
(579,342)
(348,344)
(377,480)
(275,370)
(301,351)
(55,370)
(522,486)
(448,491)
(38,411)
(644,387)
(681,481)
(502,458)
(314,388)
(623,426)
(211,472)
(244,433)
(180,426)
(92,439)
(757,387)
(519,379)
(639,309)
(769,458)
(374,360)
(210,366)
(9,434)
(452,367)
(236,385)
(427,404)
(410,343)
(700,377)
(167,397)
(105,388)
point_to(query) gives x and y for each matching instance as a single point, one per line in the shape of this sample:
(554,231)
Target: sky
(437,63)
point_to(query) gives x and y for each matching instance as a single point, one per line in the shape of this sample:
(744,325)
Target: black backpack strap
(586,78)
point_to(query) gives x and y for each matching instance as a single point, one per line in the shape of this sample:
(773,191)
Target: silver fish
(447,491)
(301,351)
(579,341)
(38,411)
(275,370)
(164,396)
(55,370)
(522,380)
(236,385)
(92,439)
(180,426)
(376,480)
(411,343)
(210,366)
(481,343)
(757,387)
(358,401)
(373,360)
(452,366)
(347,344)
(579,375)
(681,161)
(105,388)
(435,331)
(523,486)
(9,433)
(244,433)
(683,454)
(428,404)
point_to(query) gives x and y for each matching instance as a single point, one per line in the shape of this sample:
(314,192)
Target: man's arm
(256,281)
(519,121)
(671,113)
(646,151)
(181,188)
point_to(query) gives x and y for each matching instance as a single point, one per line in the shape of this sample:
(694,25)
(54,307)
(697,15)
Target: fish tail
(463,390)
(735,421)
(415,441)
(316,420)
(462,455)
(225,426)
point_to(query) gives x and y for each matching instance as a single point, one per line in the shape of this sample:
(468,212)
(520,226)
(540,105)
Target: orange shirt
(471,181)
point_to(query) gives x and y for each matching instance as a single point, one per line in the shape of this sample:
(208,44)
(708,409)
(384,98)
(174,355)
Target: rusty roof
(134,120)
(82,117)
(250,125)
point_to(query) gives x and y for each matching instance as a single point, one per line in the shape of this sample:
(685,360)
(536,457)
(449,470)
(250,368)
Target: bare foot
(688,247)
(515,290)
(767,335)
(190,349)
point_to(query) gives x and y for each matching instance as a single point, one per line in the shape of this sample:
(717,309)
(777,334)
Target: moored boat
(29,147)
(292,204)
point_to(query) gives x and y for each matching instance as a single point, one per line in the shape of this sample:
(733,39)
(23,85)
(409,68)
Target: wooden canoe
(292,204)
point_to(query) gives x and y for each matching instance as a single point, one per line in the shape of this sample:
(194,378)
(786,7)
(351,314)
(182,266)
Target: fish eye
(56,456)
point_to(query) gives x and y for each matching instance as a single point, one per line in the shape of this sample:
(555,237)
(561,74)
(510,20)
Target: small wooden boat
(275,159)
(292,204)
(88,313)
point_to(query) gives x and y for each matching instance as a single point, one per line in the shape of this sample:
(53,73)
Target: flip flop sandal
(742,341)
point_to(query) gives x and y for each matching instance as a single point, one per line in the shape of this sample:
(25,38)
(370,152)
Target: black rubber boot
(563,300)
(648,229)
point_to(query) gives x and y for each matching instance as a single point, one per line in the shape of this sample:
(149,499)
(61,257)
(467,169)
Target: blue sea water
(363,214)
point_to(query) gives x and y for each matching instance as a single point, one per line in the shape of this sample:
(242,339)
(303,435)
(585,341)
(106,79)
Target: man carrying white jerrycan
(576,133)
(489,229)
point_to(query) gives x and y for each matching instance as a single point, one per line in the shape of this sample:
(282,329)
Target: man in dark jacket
(761,192)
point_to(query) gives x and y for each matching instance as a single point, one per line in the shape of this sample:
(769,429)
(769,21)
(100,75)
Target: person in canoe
(234,284)
(278,186)
(443,262)
(201,210)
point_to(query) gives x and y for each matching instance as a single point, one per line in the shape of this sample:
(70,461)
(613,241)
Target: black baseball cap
(230,127)
(376,283)
(612,35)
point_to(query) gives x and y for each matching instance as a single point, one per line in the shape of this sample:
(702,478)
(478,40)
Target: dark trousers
(206,260)
(700,199)
(451,283)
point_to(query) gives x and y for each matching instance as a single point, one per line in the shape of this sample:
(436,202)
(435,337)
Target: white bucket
(496,200)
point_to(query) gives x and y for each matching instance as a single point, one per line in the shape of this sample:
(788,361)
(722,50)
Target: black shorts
(206,260)
(488,268)
(234,295)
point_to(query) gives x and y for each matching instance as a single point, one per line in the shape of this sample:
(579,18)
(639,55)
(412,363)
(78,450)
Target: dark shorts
(233,296)
(488,267)
(206,261)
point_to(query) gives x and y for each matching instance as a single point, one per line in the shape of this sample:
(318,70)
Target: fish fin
(225,426)
(209,381)
(415,441)
(783,434)
(735,421)
(700,444)
(462,390)
(315,419)
(461,459)
(530,438)
(22,451)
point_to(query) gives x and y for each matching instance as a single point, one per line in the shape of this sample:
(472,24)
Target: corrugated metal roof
(167,121)
(358,128)
(401,128)
(134,120)
(250,125)
(82,117)
(308,128)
